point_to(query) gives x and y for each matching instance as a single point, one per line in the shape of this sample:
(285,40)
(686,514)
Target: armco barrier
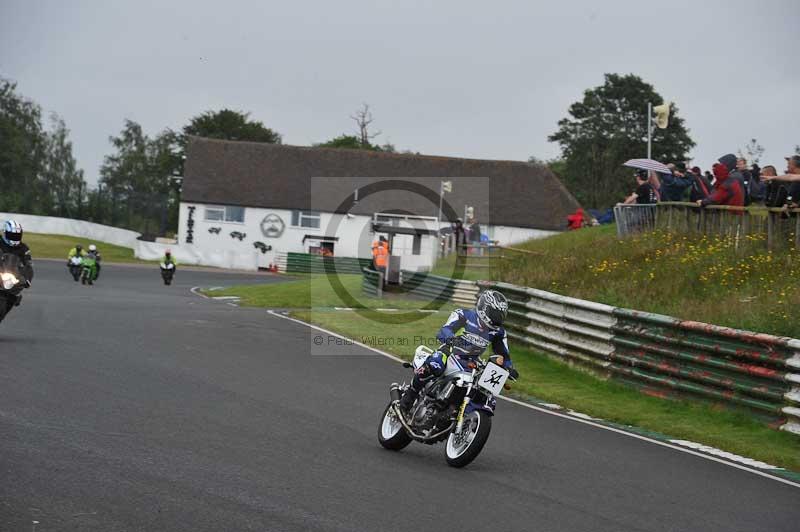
(661,354)
(307,263)
(372,283)
(427,286)
(78,228)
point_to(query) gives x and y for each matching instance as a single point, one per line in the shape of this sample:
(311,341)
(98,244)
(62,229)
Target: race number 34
(493,378)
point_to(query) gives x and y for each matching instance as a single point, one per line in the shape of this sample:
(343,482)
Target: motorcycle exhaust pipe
(394,392)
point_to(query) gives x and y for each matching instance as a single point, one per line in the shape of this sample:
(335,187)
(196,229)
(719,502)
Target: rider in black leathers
(11,243)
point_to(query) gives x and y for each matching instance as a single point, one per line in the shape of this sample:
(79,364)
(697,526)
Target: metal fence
(372,283)
(661,355)
(427,286)
(776,228)
(308,263)
(633,219)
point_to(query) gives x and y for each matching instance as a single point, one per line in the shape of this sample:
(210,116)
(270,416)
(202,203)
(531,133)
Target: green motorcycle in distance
(89,269)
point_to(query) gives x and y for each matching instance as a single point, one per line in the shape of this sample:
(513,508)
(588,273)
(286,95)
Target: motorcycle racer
(467,333)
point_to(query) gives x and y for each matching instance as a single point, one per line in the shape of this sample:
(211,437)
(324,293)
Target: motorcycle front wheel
(463,448)
(391,433)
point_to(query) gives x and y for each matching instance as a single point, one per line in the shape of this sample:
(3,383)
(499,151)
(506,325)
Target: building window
(416,245)
(305,219)
(214,214)
(234,214)
(224,214)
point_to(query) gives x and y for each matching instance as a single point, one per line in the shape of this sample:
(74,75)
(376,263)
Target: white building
(244,203)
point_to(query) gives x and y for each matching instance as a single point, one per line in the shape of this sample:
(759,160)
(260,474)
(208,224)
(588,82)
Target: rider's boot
(408,399)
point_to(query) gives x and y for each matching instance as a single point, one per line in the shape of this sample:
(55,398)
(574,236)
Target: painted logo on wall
(272,226)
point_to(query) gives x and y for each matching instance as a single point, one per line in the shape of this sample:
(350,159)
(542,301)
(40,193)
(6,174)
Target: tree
(363,118)
(38,173)
(63,185)
(607,127)
(351,142)
(140,178)
(22,143)
(752,152)
(230,125)
(361,141)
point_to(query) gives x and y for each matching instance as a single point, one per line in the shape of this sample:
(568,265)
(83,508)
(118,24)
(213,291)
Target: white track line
(561,415)
(196,291)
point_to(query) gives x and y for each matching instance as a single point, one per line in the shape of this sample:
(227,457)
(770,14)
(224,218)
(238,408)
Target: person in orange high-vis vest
(380,254)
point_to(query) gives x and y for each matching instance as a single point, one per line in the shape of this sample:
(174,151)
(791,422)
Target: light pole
(649,130)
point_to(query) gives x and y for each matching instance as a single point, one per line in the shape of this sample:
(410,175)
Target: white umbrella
(648,164)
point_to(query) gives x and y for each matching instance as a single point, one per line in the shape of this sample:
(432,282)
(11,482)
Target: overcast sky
(469,79)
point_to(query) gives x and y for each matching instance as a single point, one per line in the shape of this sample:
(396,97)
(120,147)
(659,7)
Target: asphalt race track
(134,406)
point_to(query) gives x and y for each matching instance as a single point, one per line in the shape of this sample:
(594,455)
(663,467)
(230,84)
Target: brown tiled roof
(255,174)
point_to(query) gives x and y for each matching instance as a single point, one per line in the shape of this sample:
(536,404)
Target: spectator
(757,187)
(475,234)
(727,189)
(575,220)
(792,176)
(700,188)
(655,182)
(732,163)
(709,177)
(644,193)
(674,185)
(775,192)
(460,235)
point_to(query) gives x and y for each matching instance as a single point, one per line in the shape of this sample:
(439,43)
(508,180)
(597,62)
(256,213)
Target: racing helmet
(12,233)
(492,308)
(92,248)
(78,248)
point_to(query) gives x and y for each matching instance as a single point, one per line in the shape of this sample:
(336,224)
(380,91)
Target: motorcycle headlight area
(9,280)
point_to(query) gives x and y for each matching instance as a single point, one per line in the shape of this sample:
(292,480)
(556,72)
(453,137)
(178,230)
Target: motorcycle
(74,266)
(88,270)
(12,282)
(457,407)
(167,272)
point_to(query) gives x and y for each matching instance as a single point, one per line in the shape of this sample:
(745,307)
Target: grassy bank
(57,246)
(715,280)
(553,381)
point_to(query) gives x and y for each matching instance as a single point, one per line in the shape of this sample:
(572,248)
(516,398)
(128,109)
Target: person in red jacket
(726,191)
(576,220)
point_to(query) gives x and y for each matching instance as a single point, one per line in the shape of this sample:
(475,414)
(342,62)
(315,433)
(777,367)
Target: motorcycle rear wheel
(464,448)
(391,434)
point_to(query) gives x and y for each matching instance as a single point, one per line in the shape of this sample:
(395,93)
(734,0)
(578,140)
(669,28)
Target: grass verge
(45,246)
(553,381)
(313,291)
(721,280)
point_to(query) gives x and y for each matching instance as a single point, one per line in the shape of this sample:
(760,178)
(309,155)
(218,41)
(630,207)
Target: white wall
(355,239)
(509,236)
(196,256)
(77,228)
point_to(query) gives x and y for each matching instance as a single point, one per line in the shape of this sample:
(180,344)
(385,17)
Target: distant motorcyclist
(467,334)
(97,258)
(168,266)
(169,259)
(74,261)
(11,243)
(77,251)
